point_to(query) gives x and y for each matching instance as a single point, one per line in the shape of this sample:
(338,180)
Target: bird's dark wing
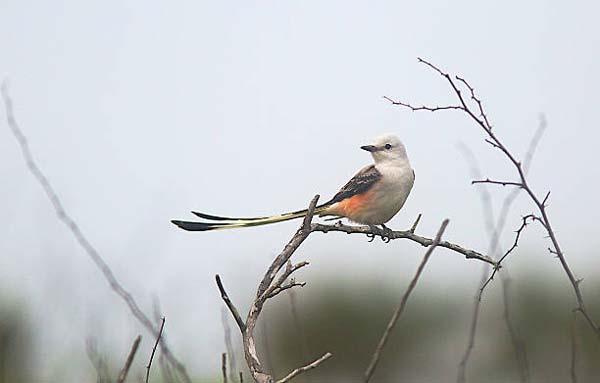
(360,183)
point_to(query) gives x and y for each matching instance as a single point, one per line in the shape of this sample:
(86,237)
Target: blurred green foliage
(348,317)
(15,348)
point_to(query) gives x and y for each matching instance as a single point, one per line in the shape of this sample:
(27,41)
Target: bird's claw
(387,234)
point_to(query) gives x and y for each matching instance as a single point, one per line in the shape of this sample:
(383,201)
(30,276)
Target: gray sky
(140,112)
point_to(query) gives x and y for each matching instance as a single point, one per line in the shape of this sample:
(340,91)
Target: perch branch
(469,254)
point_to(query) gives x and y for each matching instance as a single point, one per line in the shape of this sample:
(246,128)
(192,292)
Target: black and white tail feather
(235,222)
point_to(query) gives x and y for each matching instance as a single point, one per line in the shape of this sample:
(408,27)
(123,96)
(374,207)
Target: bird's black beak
(369,148)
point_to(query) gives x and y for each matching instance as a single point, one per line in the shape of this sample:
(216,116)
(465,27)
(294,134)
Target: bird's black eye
(388,146)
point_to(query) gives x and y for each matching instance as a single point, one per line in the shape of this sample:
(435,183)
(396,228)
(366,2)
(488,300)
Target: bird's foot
(387,234)
(384,233)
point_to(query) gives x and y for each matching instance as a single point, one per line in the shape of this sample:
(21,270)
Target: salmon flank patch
(354,205)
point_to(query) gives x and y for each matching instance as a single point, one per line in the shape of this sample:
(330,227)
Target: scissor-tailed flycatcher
(372,197)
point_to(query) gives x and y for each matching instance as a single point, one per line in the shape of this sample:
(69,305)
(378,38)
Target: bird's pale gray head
(387,147)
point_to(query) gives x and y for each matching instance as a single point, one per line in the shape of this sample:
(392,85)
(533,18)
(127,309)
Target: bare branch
(480,118)
(268,288)
(287,286)
(166,368)
(300,370)
(125,370)
(224,366)
(230,305)
(252,359)
(78,234)
(503,183)
(469,254)
(510,250)
(278,286)
(162,325)
(423,107)
(382,342)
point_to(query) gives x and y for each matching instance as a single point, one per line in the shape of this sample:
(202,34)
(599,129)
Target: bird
(372,197)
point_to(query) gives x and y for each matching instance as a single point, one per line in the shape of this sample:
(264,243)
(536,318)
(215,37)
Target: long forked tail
(234,222)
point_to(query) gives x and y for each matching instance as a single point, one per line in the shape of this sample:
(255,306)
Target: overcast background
(140,112)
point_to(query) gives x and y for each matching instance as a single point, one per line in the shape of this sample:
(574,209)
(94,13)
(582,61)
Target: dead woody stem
(473,107)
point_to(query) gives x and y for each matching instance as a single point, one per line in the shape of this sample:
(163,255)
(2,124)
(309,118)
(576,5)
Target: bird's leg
(372,235)
(387,234)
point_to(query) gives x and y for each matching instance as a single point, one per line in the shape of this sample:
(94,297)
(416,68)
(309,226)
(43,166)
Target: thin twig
(162,325)
(278,286)
(230,305)
(125,370)
(224,366)
(300,370)
(503,183)
(392,323)
(507,253)
(78,234)
(166,369)
(423,107)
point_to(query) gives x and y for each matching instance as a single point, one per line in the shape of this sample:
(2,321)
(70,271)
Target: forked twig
(268,288)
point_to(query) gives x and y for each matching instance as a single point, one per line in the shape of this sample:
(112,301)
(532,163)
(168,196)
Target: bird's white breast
(389,195)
